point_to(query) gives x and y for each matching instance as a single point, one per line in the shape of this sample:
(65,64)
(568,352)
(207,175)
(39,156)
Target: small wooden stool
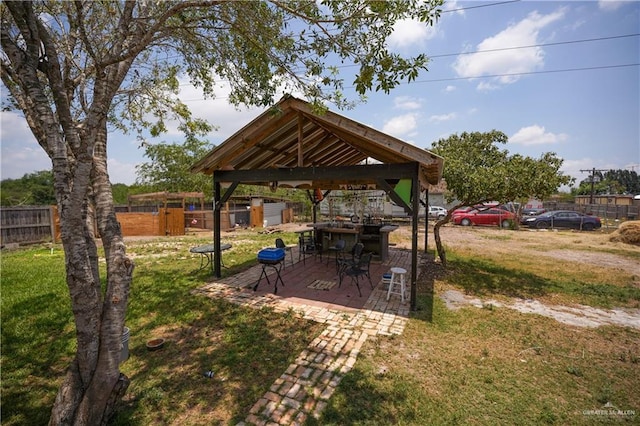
(397,278)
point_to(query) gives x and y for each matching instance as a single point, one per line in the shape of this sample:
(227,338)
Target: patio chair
(338,250)
(280,244)
(308,246)
(360,269)
(346,263)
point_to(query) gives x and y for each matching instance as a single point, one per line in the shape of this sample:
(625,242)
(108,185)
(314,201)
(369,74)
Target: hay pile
(628,232)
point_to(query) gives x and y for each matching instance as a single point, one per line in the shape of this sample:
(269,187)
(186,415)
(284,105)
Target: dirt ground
(529,242)
(594,249)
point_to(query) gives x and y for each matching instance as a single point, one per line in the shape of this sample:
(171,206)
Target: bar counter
(374,237)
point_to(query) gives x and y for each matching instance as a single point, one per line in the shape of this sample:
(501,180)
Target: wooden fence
(603,211)
(35,224)
(27,224)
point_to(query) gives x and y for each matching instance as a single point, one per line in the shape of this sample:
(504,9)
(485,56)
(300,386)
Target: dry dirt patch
(581,248)
(581,316)
(573,246)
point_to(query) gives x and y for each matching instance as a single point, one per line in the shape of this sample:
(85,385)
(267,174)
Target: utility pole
(592,179)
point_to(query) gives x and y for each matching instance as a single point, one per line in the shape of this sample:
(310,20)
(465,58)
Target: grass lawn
(469,366)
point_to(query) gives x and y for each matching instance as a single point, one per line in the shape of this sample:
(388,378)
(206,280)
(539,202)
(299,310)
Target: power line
(520,47)
(515,74)
(586,40)
(479,6)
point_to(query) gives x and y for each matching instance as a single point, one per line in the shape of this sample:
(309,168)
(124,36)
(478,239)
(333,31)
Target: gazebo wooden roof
(294,145)
(292,135)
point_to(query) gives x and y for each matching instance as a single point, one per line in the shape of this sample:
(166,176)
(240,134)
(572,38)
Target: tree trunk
(94,384)
(436,235)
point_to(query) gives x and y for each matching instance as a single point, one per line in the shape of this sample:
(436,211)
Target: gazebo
(293,144)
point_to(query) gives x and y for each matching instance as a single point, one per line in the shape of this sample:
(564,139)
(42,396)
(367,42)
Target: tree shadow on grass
(36,349)
(428,271)
(483,278)
(246,348)
(358,400)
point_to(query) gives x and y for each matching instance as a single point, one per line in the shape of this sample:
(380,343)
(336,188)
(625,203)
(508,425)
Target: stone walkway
(304,389)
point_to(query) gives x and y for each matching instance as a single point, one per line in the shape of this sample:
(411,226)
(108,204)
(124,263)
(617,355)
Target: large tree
(168,168)
(478,171)
(31,189)
(609,182)
(75,68)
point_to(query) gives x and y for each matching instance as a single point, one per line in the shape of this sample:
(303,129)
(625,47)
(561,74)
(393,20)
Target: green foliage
(35,189)
(120,193)
(168,169)
(30,190)
(477,170)
(610,182)
(257,47)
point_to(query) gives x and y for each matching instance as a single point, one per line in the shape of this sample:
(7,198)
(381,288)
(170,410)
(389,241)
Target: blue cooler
(386,280)
(271,255)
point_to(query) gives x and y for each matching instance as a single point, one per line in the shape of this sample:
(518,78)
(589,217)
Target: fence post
(52,224)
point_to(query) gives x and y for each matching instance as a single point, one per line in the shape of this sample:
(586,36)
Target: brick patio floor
(304,389)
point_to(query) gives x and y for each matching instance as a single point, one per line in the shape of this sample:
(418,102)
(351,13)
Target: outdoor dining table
(208,251)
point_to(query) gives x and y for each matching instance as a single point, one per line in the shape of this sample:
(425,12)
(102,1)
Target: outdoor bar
(374,236)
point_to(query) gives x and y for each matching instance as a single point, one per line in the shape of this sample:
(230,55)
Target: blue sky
(576,92)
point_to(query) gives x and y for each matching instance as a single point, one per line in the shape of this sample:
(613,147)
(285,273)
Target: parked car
(494,216)
(527,213)
(564,219)
(533,212)
(437,212)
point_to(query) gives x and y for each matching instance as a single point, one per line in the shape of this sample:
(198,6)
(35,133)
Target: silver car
(437,212)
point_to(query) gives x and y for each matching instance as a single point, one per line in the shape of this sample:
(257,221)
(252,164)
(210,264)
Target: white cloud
(577,24)
(536,135)
(406,102)
(409,33)
(453,5)
(610,5)
(573,167)
(226,118)
(443,117)
(401,125)
(21,153)
(487,86)
(14,126)
(120,172)
(450,88)
(515,61)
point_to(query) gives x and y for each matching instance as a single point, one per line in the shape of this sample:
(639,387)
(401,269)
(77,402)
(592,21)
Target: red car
(493,216)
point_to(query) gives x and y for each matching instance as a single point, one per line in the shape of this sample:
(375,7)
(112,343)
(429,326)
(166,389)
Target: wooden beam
(369,173)
(243,140)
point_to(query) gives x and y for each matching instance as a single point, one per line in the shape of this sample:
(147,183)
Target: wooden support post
(216,230)
(415,204)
